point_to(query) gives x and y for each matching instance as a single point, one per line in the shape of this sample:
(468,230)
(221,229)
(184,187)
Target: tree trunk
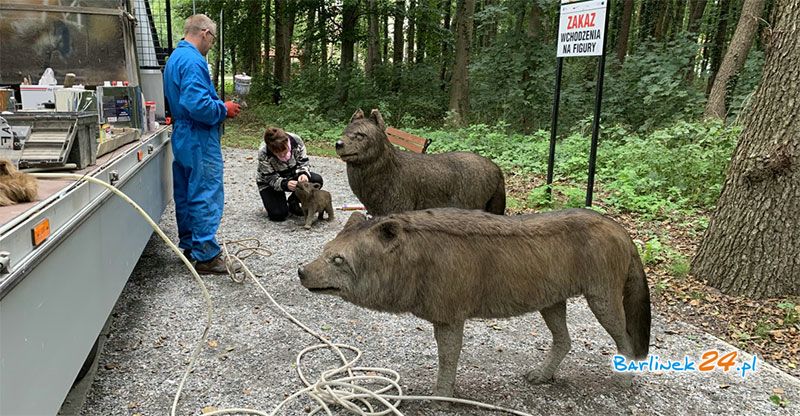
(411,31)
(621,48)
(696,10)
(253,22)
(675,25)
(385,38)
(265,69)
(752,244)
(322,22)
(534,27)
(459,92)
(715,55)
(490,33)
(423,32)
(291,13)
(309,37)
(280,49)
(533,31)
(661,19)
(216,68)
(647,20)
(349,21)
(447,7)
(734,57)
(373,53)
(397,46)
(397,49)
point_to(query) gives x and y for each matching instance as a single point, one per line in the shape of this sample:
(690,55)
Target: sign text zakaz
(580,30)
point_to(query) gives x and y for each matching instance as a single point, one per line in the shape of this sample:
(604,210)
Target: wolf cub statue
(314,201)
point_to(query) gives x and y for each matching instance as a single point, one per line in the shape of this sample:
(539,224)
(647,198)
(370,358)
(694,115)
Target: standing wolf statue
(388,180)
(448,265)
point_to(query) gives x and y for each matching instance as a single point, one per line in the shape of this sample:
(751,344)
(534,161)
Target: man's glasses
(213,36)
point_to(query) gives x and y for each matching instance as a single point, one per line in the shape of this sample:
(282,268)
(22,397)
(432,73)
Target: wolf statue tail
(497,203)
(636,301)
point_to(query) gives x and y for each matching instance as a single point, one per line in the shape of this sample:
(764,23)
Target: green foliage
(678,168)
(679,266)
(650,90)
(778,400)
(651,251)
(792,315)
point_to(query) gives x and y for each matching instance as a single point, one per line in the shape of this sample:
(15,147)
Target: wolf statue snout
(339,144)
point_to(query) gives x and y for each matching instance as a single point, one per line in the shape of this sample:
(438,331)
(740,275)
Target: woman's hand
(303,178)
(291,185)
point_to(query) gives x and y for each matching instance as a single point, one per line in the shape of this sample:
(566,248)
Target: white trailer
(65,258)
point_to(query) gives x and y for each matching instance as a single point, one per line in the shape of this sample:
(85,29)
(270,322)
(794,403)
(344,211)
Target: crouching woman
(282,163)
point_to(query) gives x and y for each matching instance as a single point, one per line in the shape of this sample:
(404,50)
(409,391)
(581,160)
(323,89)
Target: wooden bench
(407,141)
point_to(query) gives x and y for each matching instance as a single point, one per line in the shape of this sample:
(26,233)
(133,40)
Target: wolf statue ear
(388,231)
(376,118)
(355,219)
(357,115)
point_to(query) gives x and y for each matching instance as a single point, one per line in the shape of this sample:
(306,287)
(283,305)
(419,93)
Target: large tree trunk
(734,57)
(373,53)
(752,245)
(621,48)
(459,92)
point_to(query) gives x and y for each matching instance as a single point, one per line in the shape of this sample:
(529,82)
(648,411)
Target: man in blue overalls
(197,114)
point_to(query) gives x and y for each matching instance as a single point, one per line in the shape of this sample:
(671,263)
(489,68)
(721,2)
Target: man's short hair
(198,23)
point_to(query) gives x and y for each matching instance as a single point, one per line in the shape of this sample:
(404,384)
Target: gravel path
(249,360)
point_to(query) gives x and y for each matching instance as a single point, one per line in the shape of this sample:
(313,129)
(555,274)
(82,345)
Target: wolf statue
(448,265)
(388,180)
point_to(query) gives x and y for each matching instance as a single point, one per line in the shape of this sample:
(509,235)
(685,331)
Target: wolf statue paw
(537,377)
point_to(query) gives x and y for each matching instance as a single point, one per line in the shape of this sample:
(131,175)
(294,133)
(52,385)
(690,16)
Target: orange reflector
(40,232)
(139,155)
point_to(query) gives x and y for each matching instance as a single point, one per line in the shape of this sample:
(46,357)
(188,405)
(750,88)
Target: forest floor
(769,328)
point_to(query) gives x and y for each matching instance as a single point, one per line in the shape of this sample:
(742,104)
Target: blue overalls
(197,113)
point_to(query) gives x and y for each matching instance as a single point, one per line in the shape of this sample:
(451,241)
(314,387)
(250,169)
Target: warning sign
(580,31)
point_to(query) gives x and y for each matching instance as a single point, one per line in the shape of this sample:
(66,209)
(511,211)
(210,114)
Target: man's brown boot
(215,266)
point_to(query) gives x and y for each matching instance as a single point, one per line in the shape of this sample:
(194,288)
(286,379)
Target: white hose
(328,389)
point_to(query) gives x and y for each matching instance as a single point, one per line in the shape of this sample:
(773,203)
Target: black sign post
(576,40)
